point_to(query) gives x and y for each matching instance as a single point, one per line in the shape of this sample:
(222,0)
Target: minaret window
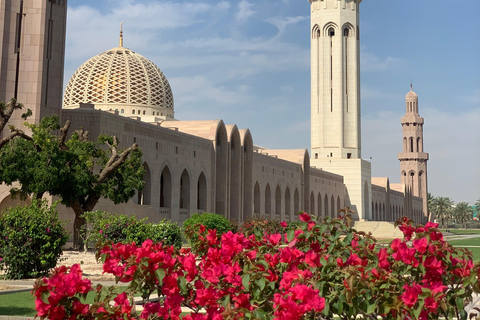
(331,32)
(411,144)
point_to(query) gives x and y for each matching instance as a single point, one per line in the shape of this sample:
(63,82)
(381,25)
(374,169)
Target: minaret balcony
(413,156)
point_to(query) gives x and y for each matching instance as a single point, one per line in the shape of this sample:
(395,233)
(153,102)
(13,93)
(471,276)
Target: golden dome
(117,77)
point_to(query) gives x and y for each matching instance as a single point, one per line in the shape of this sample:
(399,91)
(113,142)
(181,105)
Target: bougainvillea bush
(31,240)
(317,270)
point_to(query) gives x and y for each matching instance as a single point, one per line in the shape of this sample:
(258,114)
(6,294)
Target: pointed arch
(268,200)
(348,30)
(312,203)
(256,198)
(332,207)
(315,32)
(202,192)
(325,204)
(319,206)
(328,28)
(278,201)
(165,191)
(288,210)
(296,202)
(184,201)
(144,196)
(338,203)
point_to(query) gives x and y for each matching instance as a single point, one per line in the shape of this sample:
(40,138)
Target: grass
(17,304)
(23,303)
(461,231)
(465,242)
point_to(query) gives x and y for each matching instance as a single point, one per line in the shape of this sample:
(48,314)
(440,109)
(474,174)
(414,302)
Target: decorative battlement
(334,4)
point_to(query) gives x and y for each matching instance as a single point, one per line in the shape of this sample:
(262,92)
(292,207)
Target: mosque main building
(211,166)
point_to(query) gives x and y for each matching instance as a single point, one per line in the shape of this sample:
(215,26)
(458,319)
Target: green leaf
(290,235)
(246,281)
(261,283)
(160,274)
(182,283)
(371,308)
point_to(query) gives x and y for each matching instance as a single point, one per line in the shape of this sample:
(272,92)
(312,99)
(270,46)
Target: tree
(442,209)
(430,205)
(463,213)
(77,170)
(6,111)
(477,208)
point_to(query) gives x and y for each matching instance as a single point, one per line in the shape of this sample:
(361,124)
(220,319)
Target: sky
(248,63)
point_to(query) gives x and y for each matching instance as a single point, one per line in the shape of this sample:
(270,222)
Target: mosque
(211,166)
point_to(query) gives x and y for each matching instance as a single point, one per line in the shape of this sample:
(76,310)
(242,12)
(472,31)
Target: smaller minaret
(413,160)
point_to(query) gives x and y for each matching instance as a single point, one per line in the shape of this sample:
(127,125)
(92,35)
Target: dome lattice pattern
(119,76)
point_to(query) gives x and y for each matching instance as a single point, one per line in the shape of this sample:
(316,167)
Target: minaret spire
(121,35)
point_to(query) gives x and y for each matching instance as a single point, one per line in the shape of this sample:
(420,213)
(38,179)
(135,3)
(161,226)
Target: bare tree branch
(14,133)
(7,112)
(63,133)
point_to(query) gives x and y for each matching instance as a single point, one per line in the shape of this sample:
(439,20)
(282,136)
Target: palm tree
(477,208)
(430,205)
(442,209)
(463,213)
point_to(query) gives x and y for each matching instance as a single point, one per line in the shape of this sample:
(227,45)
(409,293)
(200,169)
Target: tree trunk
(78,224)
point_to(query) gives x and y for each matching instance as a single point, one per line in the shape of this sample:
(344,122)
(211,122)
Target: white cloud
(451,139)
(244,11)
(371,62)
(282,23)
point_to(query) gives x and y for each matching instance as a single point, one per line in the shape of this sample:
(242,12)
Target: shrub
(165,231)
(260,225)
(210,221)
(31,240)
(321,270)
(111,227)
(105,227)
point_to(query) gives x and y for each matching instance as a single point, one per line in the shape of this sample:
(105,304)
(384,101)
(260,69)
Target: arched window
(411,144)
(185,190)
(165,188)
(268,200)
(315,32)
(122,111)
(312,203)
(133,111)
(202,192)
(325,202)
(319,206)
(143,112)
(287,203)
(256,198)
(345,32)
(138,112)
(331,32)
(278,201)
(296,202)
(144,195)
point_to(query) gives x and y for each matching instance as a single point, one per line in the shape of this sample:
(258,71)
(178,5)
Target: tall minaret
(413,161)
(335,54)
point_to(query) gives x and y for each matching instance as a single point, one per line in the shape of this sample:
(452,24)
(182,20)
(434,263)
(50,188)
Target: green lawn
(17,304)
(23,303)
(462,231)
(465,242)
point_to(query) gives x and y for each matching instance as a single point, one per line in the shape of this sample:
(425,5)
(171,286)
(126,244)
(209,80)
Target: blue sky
(248,63)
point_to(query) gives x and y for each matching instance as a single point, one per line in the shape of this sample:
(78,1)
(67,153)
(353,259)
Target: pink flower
(305,217)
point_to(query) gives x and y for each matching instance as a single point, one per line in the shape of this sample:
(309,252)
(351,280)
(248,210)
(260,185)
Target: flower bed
(316,270)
